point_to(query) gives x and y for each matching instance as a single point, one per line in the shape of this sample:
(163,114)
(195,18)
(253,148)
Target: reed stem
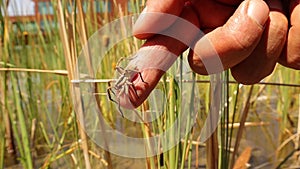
(22,123)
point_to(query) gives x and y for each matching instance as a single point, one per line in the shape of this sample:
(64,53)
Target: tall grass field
(41,127)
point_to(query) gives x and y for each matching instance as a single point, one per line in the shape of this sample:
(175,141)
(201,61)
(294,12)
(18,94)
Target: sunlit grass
(41,127)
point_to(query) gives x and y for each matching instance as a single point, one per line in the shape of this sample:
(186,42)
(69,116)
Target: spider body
(122,85)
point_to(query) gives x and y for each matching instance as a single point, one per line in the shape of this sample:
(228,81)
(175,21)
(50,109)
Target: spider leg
(120,110)
(109,91)
(122,90)
(127,88)
(140,74)
(134,89)
(120,60)
(120,69)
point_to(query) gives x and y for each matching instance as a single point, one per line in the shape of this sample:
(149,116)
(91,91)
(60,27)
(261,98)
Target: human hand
(277,34)
(247,36)
(290,56)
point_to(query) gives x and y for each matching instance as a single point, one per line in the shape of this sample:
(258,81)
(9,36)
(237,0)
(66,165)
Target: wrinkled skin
(249,36)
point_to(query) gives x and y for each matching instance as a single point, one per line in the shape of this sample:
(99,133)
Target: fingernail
(258,10)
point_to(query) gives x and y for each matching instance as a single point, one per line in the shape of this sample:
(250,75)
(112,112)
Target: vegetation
(39,128)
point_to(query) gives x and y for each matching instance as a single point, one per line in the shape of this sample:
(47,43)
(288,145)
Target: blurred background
(40,41)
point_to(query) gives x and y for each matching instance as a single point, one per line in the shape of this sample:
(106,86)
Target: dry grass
(37,109)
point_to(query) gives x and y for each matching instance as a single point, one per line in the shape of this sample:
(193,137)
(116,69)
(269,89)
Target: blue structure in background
(45,8)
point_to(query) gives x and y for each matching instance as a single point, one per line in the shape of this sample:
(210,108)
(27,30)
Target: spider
(122,85)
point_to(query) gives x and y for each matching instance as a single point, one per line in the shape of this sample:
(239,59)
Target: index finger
(147,22)
(158,54)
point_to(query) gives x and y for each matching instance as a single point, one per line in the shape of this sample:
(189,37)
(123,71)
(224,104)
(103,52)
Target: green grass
(37,110)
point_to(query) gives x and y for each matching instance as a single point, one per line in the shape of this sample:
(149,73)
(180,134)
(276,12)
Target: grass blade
(68,39)
(23,126)
(242,124)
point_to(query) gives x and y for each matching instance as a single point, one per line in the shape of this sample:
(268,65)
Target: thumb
(233,42)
